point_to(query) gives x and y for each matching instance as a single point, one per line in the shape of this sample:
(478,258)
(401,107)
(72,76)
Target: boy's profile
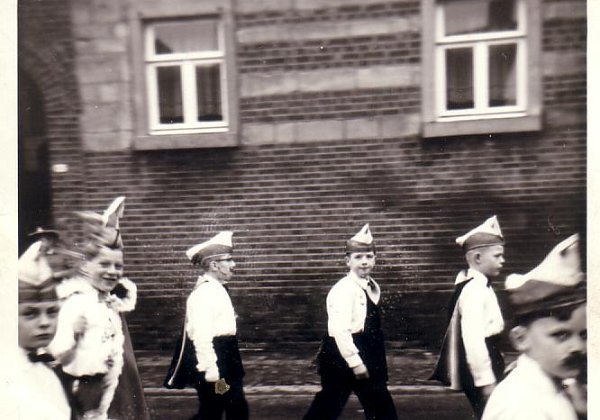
(470,359)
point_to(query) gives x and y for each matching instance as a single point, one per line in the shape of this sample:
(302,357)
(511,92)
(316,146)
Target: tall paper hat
(103,229)
(36,281)
(486,234)
(361,242)
(219,245)
(556,282)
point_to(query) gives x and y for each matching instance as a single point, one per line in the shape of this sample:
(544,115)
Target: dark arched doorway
(34,163)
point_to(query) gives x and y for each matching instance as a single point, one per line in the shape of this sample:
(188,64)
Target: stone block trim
(336,79)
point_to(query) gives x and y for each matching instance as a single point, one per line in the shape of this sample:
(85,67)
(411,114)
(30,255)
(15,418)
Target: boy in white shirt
(470,359)
(38,391)
(550,332)
(352,355)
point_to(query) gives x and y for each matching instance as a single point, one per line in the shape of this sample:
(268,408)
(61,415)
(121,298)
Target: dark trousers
(474,394)
(330,401)
(212,406)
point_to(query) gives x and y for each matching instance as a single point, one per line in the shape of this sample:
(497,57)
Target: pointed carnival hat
(486,234)
(219,245)
(36,280)
(103,229)
(361,242)
(556,282)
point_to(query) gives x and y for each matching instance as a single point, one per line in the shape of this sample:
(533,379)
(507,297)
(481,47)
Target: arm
(200,330)
(71,324)
(339,310)
(472,310)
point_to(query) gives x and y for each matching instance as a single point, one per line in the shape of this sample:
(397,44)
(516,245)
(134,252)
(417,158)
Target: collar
(206,278)
(471,274)
(531,369)
(363,283)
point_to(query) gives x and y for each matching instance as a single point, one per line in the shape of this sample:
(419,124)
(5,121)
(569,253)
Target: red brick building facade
(329,118)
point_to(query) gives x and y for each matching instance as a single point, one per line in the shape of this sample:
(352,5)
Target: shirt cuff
(354,361)
(483,378)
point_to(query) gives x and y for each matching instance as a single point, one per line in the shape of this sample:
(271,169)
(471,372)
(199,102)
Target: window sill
(481,126)
(185,141)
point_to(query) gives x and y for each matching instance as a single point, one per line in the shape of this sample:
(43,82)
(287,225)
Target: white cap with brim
(219,245)
(557,281)
(486,234)
(362,241)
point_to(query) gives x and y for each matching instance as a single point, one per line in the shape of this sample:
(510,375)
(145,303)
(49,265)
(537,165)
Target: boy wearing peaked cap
(470,359)
(215,370)
(39,392)
(352,355)
(550,332)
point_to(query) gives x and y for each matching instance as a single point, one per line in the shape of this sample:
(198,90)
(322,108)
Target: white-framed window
(481,63)
(186,78)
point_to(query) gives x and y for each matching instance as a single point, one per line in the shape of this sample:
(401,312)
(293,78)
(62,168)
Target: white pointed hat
(556,281)
(486,234)
(36,282)
(362,241)
(219,245)
(103,229)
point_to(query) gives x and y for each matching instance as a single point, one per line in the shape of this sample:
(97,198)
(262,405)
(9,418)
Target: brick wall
(46,56)
(330,141)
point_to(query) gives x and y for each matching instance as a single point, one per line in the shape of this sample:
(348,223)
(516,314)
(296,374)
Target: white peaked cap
(486,234)
(364,236)
(220,244)
(556,282)
(361,242)
(561,267)
(33,267)
(114,212)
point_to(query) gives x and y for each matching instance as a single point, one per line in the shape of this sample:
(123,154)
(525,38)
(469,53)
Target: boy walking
(549,304)
(352,355)
(470,359)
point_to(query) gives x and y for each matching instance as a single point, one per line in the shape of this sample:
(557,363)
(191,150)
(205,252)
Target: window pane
(459,78)
(208,86)
(186,36)
(170,105)
(471,16)
(503,89)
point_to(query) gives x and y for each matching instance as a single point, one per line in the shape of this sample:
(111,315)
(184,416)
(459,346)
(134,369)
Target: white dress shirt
(209,314)
(480,318)
(347,311)
(528,393)
(90,329)
(38,392)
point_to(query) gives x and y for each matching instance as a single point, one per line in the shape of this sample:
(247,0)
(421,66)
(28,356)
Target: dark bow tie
(44,357)
(371,285)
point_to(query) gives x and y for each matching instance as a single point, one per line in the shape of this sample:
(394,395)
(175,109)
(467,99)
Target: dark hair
(562,313)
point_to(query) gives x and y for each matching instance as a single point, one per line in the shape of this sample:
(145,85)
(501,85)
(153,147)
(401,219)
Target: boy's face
(558,346)
(37,323)
(223,268)
(105,269)
(361,263)
(491,260)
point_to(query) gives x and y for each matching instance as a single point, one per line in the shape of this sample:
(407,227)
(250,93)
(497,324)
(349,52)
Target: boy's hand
(487,390)
(360,371)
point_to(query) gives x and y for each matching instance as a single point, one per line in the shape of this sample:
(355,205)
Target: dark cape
(451,368)
(129,402)
(182,371)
